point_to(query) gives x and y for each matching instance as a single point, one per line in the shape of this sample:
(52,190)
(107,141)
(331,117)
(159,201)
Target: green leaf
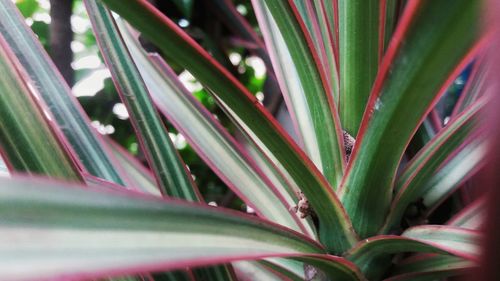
(90,233)
(431,267)
(324,267)
(307,94)
(435,42)
(292,269)
(449,177)
(475,86)
(335,231)
(168,168)
(251,270)
(138,176)
(422,136)
(421,171)
(359,58)
(213,273)
(27,139)
(454,240)
(284,183)
(335,268)
(470,217)
(211,141)
(68,114)
(424,239)
(318,17)
(390,16)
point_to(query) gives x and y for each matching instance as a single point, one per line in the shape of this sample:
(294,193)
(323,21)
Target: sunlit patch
(250,210)
(189,81)
(77,47)
(133,148)
(235,58)
(258,65)
(178,140)
(183,23)
(43,17)
(242,9)
(44,4)
(103,129)
(91,61)
(79,24)
(460,80)
(29,21)
(92,84)
(260,96)
(120,111)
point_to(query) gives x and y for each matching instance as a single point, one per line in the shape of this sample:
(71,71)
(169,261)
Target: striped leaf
(29,140)
(169,170)
(67,113)
(433,42)
(359,57)
(335,231)
(86,233)
(210,139)
(422,239)
(416,178)
(303,82)
(470,217)
(431,267)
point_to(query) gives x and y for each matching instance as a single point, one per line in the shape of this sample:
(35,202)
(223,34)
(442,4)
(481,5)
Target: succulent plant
(351,197)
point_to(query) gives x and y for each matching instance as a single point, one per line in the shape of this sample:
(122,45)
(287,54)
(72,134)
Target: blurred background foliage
(91,82)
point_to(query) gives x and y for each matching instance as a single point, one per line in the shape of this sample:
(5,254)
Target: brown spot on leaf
(348,145)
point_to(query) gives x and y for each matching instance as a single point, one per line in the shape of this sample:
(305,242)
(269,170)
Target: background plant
(373,70)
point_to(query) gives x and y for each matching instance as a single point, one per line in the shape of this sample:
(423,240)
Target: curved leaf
(389,18)
(67,112)
(414,180)
(335,268)
(169,170)
(433,42)
(443,144)
(304,85)
(318,18)
(425,239)
(470,217)
(29,141)
(211,141)
(138,175)
(292,269)
(336,231)
(251,270)
(475,86)
(86,233)
(454,240)
(449,177)
(431,267)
